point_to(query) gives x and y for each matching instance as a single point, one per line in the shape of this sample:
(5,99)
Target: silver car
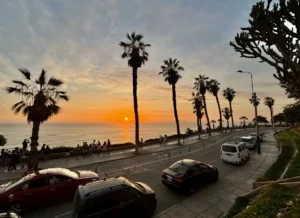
(249,141)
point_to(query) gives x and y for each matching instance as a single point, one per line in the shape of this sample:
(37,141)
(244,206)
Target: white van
(234,153)
(249,142)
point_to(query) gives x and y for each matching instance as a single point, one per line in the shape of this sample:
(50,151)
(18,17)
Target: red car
(42,188)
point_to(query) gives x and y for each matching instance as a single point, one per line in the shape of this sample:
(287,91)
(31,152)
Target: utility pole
(256,123)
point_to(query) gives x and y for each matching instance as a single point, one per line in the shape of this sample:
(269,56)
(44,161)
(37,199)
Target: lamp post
(254,97)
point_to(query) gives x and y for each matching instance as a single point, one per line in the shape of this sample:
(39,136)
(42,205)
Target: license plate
(169,178)
(229,154)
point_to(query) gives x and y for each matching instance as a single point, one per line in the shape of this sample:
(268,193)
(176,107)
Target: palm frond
(19,82)
(13,89)
(42,78)
(17,105)
(25,72)
(124,44)
(26,110)
(18,108)
(64,97)
(55,82)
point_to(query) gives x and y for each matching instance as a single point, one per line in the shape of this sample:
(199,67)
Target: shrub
(239,205)
(269,202)
(3,140)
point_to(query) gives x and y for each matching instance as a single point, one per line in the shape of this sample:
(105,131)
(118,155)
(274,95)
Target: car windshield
(228,148)
(179,168)
(137,186)
(17,182)
(246,140)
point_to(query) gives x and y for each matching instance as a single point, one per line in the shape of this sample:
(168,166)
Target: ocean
(71,134)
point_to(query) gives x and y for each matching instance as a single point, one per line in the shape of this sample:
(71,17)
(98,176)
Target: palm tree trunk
(200,122)
(220,113)
(135,105)
(33,146)
(175,112)
(227,124)
(199,128)
(244,123)
(231,116)
(272,118)
(207,118)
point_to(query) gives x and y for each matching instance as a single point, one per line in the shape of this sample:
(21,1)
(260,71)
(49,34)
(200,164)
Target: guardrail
(132,163)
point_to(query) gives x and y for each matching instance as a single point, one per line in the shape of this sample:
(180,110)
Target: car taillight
(179,180)
(163,173)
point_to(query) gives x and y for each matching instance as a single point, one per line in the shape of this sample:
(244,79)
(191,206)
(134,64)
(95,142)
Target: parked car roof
(246,137)
(104,184)
(188,162)
(59,171)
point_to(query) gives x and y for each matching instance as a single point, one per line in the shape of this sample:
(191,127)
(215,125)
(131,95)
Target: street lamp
(254,97)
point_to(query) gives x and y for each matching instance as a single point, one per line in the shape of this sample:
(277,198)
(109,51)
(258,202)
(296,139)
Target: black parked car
(9,215)
(188,174)
(114,197)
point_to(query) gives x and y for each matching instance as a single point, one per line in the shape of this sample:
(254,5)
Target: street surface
(149,171)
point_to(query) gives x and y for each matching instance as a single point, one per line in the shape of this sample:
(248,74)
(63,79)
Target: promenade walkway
(78,162)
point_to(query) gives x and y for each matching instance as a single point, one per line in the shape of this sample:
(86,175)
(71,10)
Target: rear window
(228,148)
(179,168)
(246,140)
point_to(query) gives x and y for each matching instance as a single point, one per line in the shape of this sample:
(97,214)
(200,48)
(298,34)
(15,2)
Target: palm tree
(213,123)
(214,87)
(252,101)
(170,71)
(229,94)
(269,101)
(135,52)
(38,104)
(197,109)
(226,114)
(201,85)
(244,118)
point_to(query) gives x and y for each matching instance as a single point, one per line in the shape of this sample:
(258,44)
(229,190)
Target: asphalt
(148,168)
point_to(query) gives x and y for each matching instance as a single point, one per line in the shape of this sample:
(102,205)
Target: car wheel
(16,208)
(190,191)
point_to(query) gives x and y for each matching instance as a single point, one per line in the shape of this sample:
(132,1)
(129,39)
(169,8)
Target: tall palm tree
(229,94)
(214,87)
(197,109)
(269,101)
(254,103)
(135,52)
(201,85)
(213,123)
(244,118)
(38,104)
(226,114)
(170,71)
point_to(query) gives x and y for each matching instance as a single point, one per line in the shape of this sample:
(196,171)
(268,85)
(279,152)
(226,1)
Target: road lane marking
(63,214)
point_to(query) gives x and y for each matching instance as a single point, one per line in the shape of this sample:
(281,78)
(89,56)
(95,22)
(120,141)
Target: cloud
(77,41)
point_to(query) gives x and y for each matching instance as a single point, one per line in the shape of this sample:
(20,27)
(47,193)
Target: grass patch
(269,202)
(239,205)
(294,168)
(275,171)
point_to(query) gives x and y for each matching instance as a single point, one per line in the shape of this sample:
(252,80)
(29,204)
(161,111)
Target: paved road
(149,171)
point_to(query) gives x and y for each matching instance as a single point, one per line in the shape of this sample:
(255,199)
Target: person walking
(104,147)
(108,147)
(165,140)
(47,152)
(14,160)
(25,144)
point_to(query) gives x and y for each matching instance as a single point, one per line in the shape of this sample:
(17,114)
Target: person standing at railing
(108,147)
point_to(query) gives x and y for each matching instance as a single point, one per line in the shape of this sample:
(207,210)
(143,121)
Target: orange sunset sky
(80,46)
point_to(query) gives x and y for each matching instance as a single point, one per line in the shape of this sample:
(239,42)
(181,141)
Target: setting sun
(126,119)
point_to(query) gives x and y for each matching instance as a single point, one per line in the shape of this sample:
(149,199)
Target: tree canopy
(3,140)
(273,37)
(261,119)
(279,118)
(292,113)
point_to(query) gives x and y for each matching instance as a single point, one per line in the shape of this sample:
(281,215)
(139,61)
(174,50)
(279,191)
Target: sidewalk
(216,199)
(74,162)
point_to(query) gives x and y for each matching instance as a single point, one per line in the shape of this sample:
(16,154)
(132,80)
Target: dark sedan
(188,174)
